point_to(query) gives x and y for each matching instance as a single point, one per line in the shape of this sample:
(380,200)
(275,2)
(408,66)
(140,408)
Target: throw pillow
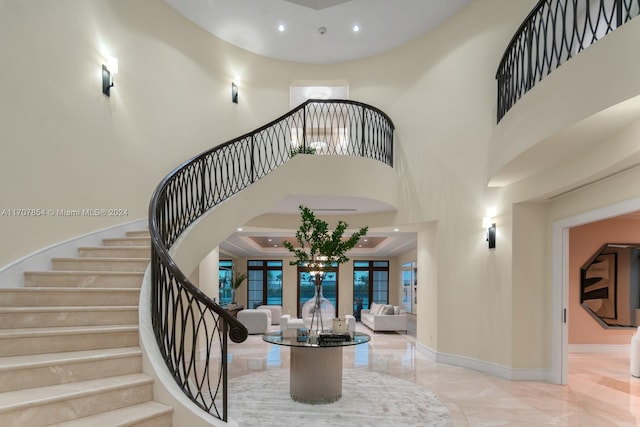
(396,310)
(374,308)
(387,309)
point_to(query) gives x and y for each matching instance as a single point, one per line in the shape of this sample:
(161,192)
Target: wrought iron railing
(552,33)
(191,330)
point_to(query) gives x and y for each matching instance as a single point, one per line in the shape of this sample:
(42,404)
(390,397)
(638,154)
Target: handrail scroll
(190,328)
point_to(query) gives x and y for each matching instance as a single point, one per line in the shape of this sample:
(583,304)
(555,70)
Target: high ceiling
(317,31)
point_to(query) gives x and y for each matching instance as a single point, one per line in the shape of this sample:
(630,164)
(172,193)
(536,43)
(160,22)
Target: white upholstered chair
(287,322)
(276,312)
(257,321)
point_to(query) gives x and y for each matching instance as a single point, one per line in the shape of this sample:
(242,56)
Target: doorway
(560,274)
(301,90)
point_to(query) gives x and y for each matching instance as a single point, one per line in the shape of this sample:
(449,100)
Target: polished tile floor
(600,392)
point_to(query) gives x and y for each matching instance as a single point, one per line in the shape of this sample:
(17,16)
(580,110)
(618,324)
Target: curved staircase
(69,350)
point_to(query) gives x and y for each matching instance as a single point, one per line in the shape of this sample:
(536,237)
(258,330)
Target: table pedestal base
(316,374)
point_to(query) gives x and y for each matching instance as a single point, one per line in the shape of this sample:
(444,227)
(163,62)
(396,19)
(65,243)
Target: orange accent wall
(584,241)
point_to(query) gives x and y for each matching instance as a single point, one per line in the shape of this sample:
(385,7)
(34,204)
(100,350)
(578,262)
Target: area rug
(368,399)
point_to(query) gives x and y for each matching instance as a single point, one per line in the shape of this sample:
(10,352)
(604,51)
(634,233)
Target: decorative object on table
(339,325)
(303,335)
(333,338)
(237,279)
(319,249)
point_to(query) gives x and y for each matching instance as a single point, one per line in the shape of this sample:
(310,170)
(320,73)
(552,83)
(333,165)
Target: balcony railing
(190,329)
(553,33)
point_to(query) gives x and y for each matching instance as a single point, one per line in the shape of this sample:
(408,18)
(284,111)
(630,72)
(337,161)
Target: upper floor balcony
(568,103)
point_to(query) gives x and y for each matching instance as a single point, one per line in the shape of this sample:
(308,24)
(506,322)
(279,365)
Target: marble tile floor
(601,393)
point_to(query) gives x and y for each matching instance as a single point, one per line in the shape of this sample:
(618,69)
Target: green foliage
(237,279)
(319,246)
(301,150)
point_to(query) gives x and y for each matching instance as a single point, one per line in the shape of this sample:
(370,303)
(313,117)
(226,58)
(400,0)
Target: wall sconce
(107,72)
(234,89)
(490,226)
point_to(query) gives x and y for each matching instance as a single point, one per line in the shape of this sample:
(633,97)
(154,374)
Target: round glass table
(315,371)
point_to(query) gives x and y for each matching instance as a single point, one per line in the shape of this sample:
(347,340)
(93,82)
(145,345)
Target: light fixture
(107,74)
(234,89)
(281,28)
(356,28)
(490,226)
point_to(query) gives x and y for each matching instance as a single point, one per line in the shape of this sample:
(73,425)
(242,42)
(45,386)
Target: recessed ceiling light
(270,240)
(281,28)
(396,229)
(239,229)
(356,28)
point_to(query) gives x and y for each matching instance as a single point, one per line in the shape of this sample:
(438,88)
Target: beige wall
(65,145)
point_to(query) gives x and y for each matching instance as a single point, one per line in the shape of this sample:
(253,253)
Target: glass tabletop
(290,338)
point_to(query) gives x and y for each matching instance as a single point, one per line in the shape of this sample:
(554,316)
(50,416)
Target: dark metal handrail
(553,32)
(190,329)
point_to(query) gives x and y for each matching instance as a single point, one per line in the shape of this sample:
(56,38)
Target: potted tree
(320,249)
(237,279)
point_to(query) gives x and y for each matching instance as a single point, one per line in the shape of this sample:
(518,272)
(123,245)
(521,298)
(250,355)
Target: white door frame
(560,277)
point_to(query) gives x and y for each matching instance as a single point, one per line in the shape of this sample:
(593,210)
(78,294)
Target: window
(409,286)
(370,284)
(225,267)
(264,283)
(306,287)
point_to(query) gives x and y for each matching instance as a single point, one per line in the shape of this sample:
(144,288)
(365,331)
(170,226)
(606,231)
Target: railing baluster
(584,30)
(186,320)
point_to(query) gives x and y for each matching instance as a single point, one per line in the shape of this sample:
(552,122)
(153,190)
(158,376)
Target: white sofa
(257,321)
(276,312)
(384,317)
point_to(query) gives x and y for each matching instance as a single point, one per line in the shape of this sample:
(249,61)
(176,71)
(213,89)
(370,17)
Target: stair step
(16,342)
(148,414)
(100,264)
(83,279)
(61,297)
(58,403)
(42,317)
(41,370)
(137,233)
(127,241)
(115,252)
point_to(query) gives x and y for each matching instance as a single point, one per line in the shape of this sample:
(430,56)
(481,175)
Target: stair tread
(67,289)
(64,330)
(115,247)
(58,308)
(101,259)
(127,416)
(85,272)
(9,363)
(41,395)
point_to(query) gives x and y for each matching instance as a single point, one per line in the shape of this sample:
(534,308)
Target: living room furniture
(315,371)
(276,312)
(384,317)
(288,322)
(257,321)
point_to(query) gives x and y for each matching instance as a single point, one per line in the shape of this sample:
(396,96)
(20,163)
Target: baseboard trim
(513,374)
(12,275)
(599,348)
